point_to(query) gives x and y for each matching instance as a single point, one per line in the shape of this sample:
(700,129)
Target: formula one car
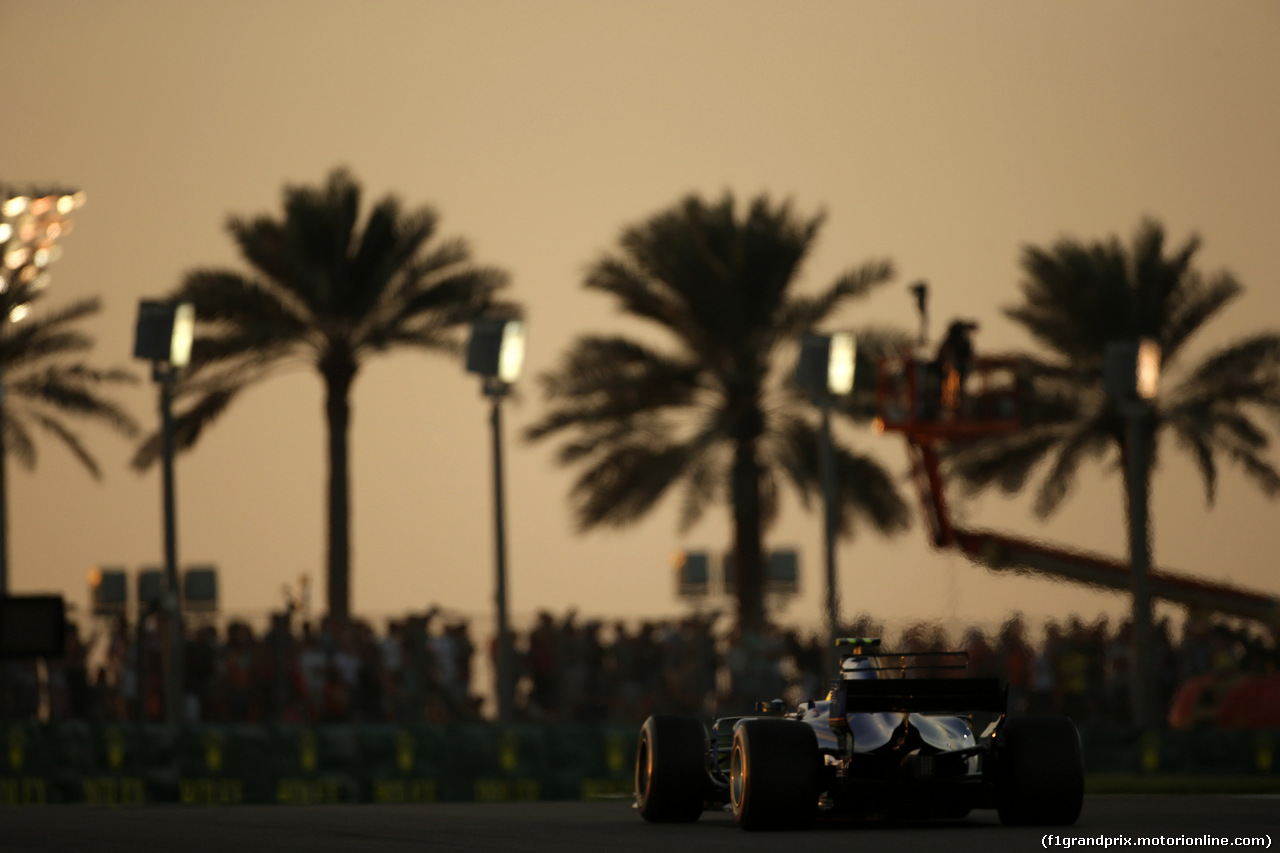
(890,740)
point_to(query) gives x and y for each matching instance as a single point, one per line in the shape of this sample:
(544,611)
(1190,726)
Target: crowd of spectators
(422,668)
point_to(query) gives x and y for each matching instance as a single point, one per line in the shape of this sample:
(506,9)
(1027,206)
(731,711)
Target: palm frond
(70,440)
(1003,461)
(867,492)
(1242,430)
(306,252)
(1196,304)
(17,440)
(590,439)
(1255,359)
(70,389)
(613,379)
(44,335)
(189,423)
(391,242)
(704,485)
(1193,433)
(225,300)
(802,313)
(432,313)
(1256,468)
(1089,438)
(641,295)
(708,276)
(792,445)
(624,484)
(70,313)
(42,388)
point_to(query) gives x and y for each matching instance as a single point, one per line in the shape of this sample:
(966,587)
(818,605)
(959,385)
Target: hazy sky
(942,135)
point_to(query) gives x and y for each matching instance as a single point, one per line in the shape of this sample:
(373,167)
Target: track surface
(609,827)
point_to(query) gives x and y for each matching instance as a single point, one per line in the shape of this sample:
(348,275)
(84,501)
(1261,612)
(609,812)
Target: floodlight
(1131,370)
(1148,369)
(496,348)
(164,332)
(511,351)
(826,364)
(184,326)
(841,363)
(15,206)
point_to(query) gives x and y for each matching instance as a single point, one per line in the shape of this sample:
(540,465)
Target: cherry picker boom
(931,405)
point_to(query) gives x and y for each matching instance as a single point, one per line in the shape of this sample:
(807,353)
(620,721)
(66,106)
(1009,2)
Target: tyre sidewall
(1040,778)
(774,774)
(671,777)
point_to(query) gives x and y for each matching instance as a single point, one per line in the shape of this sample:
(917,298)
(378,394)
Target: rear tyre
(671,769)
(1039,772)
(773,774)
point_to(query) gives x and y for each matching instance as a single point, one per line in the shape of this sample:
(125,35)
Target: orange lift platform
(932,405)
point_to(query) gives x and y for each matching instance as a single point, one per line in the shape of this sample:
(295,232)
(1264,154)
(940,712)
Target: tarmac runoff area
(1189,822)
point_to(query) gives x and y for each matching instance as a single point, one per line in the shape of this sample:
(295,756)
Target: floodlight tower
(164,336)
(31,223)
(496,353)
(826,371)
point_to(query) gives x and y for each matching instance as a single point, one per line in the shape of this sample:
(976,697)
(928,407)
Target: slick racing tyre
(671,769)
(773,774)
(1039,772)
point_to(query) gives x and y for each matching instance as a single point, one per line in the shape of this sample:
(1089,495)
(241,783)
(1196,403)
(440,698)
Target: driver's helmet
(858,668)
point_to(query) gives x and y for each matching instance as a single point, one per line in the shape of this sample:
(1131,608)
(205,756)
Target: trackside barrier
(125,764)
(1207,751)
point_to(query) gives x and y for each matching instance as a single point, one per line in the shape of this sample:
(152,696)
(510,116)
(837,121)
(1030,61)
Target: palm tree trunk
(1135,457)
(748,547)
(339,370)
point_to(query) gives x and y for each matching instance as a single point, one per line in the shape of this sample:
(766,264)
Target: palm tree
(1077,298)
(328,294)
(42,384)
(710,413)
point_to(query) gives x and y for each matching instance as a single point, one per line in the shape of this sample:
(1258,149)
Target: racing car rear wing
(918,694)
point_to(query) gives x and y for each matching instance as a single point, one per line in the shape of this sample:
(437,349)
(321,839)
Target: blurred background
(940,136)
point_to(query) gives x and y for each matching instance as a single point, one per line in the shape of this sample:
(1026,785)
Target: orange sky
(942,135)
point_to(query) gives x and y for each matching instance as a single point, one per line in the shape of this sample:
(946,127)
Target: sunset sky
(942,135)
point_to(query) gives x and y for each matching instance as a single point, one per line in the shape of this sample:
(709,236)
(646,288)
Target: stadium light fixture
(164,335)
(826,369)
(32,221)
(496,352)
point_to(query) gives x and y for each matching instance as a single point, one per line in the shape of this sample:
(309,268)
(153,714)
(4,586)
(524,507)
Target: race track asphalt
(599,827)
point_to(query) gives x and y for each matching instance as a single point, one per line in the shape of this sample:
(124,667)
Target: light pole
(164,336)
(826,370)
(1132,380)
(31,223)
(496,353)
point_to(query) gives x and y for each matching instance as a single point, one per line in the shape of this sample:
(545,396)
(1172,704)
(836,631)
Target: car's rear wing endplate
(920,694)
